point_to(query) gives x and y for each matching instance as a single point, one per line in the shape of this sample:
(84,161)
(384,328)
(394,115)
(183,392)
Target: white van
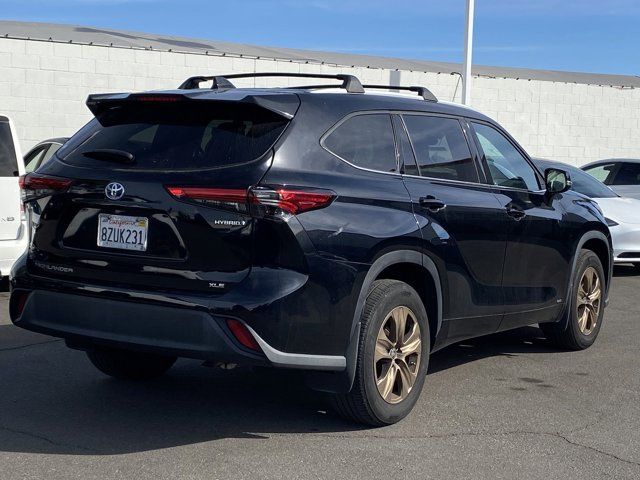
(13,226)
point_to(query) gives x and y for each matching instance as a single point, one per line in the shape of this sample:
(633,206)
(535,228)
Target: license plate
(123,232)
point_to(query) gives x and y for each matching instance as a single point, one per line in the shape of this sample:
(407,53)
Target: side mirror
(556,180)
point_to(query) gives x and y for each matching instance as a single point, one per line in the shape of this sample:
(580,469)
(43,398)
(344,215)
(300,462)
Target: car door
(537,255)
(11,167)
(462,225)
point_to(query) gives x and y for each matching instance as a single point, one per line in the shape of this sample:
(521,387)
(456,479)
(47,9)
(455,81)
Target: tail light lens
(291,200)
(242,334)
(34,186)
(273,200)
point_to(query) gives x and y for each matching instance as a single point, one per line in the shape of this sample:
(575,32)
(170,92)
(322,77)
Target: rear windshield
(166,136)
(8,161)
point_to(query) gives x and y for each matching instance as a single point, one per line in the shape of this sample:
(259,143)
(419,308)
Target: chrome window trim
(357,114)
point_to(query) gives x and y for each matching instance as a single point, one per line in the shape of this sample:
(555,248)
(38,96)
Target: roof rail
(424,92)
(349,82)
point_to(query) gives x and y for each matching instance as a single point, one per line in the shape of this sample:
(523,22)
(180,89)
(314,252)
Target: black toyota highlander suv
(321,228)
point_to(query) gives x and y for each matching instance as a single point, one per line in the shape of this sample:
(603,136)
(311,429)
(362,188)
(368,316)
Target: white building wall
(43,87)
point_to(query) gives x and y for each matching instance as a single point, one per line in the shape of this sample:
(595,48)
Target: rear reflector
(242,334)
(35,186)
(17,303)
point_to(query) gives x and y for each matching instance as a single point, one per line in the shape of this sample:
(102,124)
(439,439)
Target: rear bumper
(167,324)
(85,321)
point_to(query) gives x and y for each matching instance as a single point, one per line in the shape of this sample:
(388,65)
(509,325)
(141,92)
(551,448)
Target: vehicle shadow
(53,401)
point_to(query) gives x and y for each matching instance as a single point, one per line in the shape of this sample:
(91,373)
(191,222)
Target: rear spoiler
(284,104)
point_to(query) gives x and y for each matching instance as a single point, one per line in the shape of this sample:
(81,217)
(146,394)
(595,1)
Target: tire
(365,403)
(572,336)
(129,365)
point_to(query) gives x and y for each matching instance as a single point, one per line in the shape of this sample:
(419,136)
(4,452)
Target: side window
(441,148)
(365,141)
(53,148)
(32,160)
(629,174)
(8,162)
(604,173)
(508,168)
(407,159)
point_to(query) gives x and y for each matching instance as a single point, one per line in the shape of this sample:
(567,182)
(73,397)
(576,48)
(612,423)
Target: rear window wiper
(110,155)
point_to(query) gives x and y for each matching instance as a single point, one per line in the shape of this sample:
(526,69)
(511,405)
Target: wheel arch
(398,265)
(600,244)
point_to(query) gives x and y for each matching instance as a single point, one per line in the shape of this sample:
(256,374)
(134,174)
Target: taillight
(34,186)
(233,198)
(242,334)
(291,200)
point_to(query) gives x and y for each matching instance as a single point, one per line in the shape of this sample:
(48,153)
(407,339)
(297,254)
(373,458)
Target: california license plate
(123,232)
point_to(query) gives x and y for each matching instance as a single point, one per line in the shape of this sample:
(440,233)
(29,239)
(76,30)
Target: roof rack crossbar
(424,92)
(218,82)
(349,82)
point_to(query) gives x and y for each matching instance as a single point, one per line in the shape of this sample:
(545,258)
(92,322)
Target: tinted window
(507,166)
(604,173)
(410,167)
(365,141)
(177,137)
(585,184)
(54,147)
(8,162)
(441,148)
(628,174)
(32,160)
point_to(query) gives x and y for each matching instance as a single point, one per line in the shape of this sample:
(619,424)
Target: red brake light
(35,186)
(214,194)
(292,200)
(156,98)
(242,334)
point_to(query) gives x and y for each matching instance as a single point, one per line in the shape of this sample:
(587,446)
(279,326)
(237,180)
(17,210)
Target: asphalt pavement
(506,406)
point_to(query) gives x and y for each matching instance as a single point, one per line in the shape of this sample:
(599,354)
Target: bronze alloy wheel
(589,300)
(397,355)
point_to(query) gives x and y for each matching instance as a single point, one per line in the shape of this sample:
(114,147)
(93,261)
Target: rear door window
(604,173)
(441,148)
(628,174)
(33,159)
(8,161)
(365,141)
(166,136)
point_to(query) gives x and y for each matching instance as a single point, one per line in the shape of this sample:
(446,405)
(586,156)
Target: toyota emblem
(114,191)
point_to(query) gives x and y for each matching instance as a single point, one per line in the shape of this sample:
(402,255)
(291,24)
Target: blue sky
(580,35)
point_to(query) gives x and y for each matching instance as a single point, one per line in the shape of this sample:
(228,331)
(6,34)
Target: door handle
(431,203)
(516,213)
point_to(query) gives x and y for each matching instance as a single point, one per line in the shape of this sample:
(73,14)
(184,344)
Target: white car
(622,213)
(13,225)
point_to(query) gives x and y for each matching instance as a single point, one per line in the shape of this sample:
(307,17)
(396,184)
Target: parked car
(621,174)
(343,233)
(42,153)
(621,214)
(13,228)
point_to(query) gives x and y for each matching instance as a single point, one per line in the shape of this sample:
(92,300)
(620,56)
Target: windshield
(176,136)
(587,185)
